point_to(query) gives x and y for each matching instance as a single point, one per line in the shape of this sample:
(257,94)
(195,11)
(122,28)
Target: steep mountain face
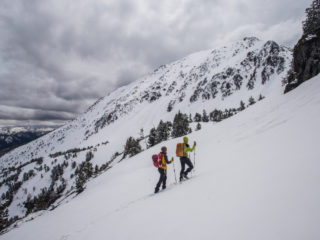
(306,60)
(209,76)
(11,137)
(35,175)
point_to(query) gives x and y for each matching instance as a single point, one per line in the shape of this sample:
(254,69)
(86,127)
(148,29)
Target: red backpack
(157,160)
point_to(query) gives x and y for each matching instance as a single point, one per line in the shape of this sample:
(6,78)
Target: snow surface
(257,177)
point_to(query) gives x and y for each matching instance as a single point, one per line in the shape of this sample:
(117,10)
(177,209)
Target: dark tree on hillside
(163,131)
(56,172)
(216,115)
(141,133)
(152,137)
(227,113)
(198,127)
(80,181)
(4,213)
(312,23)
(159,132)
(205,117)
(242,106)
(180,126)
(87,169)
(197,117)
(132,147)
(261,97)
(89,156)
(251,101)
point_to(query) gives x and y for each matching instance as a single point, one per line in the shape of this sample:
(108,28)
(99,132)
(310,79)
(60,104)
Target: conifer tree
(160,132)
(132,147)
(167,130)
(312,23)
(260,97)
(197,117)
(4,213)
(89,156)
(242,106)
(205,117)
(180,126)
(251,101)
(216,115)
(87,169)
(152,137)
(198,127)
(141,133)
(96,169)
(227,113)
(80,181)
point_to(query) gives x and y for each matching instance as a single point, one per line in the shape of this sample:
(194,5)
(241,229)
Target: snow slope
(257,177)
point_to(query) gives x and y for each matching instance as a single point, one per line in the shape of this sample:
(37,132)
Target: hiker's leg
(164,180)
(183,163)
(160,179)
(190,165)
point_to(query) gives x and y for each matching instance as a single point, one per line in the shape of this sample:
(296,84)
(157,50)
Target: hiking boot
(185,175)
(156,190)
(164,187)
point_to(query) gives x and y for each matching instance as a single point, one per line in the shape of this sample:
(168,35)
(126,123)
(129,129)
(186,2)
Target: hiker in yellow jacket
(185,159)
(163,169)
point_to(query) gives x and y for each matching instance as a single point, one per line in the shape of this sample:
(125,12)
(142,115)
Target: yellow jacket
(164,161)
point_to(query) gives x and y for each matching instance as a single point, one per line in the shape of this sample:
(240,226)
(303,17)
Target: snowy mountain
(43,173)
(20,129)
(256,177)
(11,137)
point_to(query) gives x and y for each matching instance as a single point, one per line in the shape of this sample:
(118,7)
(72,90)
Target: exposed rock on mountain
(306,60)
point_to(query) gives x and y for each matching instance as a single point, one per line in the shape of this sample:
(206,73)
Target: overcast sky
(57,57)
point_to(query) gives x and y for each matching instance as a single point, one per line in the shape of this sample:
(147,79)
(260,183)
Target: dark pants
(162,179)
(184,161)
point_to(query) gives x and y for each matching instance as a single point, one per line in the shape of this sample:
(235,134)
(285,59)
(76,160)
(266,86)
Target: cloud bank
(59,56)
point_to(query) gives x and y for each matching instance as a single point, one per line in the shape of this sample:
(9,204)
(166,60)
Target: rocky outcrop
(306,61)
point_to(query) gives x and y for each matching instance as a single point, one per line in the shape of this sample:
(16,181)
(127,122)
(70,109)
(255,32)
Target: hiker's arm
(166,159)
(189,149)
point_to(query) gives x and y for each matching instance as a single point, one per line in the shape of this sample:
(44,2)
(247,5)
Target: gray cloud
(58,57)
(18,114)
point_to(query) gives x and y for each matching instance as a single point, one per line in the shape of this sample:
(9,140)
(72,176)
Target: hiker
(185,159)
(163,161)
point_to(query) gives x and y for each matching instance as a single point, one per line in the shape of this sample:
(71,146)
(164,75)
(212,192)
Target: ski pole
(192,171)
(174,170)
(194,160)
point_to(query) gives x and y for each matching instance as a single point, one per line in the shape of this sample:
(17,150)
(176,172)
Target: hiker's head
(185,139)
(164,149)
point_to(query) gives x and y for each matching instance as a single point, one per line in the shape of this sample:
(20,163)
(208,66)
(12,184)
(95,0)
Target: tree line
(181,126)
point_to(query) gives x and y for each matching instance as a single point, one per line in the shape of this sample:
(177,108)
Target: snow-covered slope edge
(256,177)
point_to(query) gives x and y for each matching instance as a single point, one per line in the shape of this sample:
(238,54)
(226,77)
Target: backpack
(156,158)
(179,150)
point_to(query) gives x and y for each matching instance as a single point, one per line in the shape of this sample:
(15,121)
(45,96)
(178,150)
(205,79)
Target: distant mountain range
(12,137)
